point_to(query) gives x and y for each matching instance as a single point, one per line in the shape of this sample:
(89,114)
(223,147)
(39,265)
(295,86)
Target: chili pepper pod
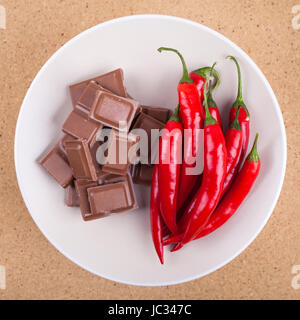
(244,118)
(192,118)
(170,152)
(234,197)
(199,76)
(207,197)
(155,216)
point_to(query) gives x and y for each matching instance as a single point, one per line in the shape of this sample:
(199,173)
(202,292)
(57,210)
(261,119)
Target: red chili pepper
(199,77)
(155,216)
(244,122)
(234,197)
(170,152)
(207,197)
(190,115)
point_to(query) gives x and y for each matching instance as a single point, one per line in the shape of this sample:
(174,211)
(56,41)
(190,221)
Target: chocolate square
(110,109)
(112,81)
(80,126)
(80,159)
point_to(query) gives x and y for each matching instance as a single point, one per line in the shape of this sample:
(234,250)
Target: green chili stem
(185,77)
(253,155)
(209,119)
(239,94)
(236,124)
(175,115)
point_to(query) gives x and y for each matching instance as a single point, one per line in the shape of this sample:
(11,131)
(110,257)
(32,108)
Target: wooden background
(35,30)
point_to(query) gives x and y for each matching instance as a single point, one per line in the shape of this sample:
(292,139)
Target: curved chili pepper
(190,115)
(244,122)
(170,151)
(207,197)
(155,216)
(199,77)
(234,197)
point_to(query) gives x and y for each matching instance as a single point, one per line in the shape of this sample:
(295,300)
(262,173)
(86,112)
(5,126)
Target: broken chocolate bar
(80,126)
(112,198)
(120,153)
(160,114)
(113,111)
(57,166)
(71,196)
(81,187)
(80,159)
(112,81)
(142,174)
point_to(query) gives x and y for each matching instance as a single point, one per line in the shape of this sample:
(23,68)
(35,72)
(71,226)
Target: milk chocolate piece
(71,196)
(89,94)
(57,167)
(148,123)
(158,113)
(113,81)
(112,198)
(60,145)
(120,153)
(142,174)
(81,187)
(80,126)
(110,109)
(80,159)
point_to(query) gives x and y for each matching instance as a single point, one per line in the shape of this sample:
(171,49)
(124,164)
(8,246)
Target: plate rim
(218,35)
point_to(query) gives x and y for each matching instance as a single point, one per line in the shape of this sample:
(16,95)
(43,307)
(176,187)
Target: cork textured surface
(266,30)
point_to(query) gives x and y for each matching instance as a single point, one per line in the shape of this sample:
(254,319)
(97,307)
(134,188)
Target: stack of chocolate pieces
(102,189)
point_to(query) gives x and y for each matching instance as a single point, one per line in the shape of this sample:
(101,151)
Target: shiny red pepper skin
(192,120)
(198,77)
(207,197)
(170,152)
(233,199)
(192,115)
(245,124)
(155,216)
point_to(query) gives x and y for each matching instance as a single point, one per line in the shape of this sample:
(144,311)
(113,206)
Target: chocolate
(158,113)
(118,158)
(57,166)
(112,81)
(110,109)
(148,123)
(142,174)
(112,198)
(60,145)
(80,126)
(81,187)
(80,159)
(71,196)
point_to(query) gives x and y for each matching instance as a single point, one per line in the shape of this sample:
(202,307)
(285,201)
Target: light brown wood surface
(35,30)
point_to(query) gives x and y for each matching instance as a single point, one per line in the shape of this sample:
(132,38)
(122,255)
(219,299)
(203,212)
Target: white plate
(120,247)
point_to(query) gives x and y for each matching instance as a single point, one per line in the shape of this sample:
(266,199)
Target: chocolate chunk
(113,81)
(80,159)
(112,198)
(71,197)
(110,109)
(148,123)
(80,126)
(120,153)
(142,174)
(60,145)
(57,167)
(81,187)
(158,113)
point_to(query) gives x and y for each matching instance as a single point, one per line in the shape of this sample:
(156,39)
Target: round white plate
(120,247)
